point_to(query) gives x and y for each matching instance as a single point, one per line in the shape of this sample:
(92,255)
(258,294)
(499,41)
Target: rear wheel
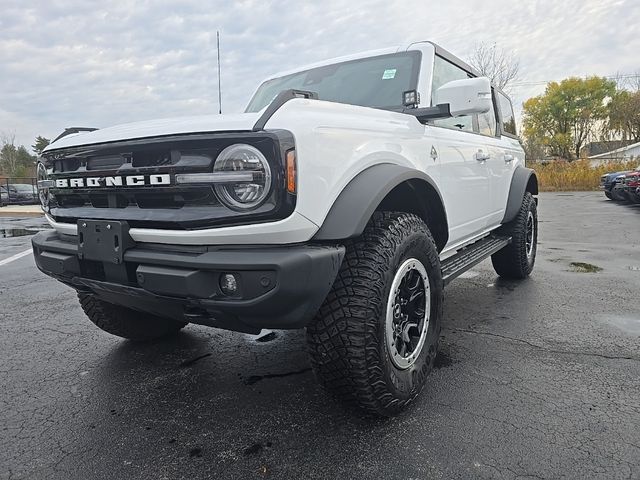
(516,260)
(126,323)
(375,338)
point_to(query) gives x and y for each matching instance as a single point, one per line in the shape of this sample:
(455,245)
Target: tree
(14,161)
(567,114)
(496,63)
(624,115)
(40,144)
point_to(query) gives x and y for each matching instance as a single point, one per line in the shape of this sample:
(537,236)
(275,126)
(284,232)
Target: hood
(612,175)
(158,128)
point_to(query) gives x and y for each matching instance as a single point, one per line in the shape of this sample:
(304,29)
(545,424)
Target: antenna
(219,85)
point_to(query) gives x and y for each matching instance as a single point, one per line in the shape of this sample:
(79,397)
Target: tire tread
(343,338)
(126,323)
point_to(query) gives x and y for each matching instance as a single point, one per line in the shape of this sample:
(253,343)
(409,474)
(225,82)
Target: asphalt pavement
(535,379)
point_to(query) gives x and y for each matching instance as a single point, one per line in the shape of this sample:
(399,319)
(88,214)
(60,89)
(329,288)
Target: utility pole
(219,85)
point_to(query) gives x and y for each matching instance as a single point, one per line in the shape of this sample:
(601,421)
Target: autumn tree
(568,114)
(499,65)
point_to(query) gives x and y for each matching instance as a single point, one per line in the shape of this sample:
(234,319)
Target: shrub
(574,176)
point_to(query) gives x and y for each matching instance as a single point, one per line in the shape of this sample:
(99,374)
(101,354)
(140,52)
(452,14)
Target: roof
(372,53)
(596,148)
(616,151)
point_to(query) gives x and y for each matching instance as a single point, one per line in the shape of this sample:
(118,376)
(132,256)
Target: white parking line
(15,257)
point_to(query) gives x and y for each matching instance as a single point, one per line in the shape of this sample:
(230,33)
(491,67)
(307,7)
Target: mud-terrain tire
(126,323)
(355,342)
(516,260)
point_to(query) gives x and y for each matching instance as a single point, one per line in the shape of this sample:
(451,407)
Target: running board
(471,255)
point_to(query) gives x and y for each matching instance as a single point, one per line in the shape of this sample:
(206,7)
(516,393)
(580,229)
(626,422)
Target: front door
(465,182)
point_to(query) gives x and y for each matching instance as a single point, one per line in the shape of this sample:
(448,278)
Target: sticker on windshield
(388,74)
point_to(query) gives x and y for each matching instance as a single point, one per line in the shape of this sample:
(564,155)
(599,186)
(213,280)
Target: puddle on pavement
(17,232)
(625,323)
(582,267)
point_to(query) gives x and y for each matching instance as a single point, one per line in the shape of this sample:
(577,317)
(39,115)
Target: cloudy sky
(82,63)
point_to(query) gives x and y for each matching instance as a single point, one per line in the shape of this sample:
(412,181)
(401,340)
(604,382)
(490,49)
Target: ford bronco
(343,200)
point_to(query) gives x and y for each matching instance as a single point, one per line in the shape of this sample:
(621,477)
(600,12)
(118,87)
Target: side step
(471,255)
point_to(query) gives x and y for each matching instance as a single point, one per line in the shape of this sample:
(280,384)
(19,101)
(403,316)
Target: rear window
(369,82)
(508,118)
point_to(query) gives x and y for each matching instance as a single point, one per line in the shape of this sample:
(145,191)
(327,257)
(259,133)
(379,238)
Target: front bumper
(279,287)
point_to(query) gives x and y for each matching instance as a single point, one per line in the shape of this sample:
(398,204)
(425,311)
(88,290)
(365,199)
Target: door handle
(481,157)
(508,158)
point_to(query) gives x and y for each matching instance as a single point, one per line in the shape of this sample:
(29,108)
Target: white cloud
(80,63)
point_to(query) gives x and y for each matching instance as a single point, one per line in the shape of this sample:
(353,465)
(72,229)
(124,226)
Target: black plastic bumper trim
(281,287)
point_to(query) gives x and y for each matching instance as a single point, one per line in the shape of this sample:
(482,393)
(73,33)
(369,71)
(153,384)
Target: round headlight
(43,192)
(248,193)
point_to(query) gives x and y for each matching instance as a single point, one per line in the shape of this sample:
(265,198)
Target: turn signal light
(291,171)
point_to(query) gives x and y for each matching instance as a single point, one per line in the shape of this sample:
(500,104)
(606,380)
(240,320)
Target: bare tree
(8,152)
(496,63)
(629,82)
(15,161)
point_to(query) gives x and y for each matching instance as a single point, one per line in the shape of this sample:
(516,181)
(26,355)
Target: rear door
(509,153)
(500,163)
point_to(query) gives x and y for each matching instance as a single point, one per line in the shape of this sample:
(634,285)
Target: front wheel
(516,260)
(375,338)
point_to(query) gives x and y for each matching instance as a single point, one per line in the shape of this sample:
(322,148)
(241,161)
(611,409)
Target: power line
(544,82)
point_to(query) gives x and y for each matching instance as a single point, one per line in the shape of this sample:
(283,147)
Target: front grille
(172,206)
(144,199)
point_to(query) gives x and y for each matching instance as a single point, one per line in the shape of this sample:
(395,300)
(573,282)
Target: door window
(443,72)
(487,121)
(506,112)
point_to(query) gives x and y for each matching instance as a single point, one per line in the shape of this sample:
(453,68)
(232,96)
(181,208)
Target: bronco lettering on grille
(117,181)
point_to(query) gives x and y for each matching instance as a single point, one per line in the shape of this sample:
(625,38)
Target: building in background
(628,152)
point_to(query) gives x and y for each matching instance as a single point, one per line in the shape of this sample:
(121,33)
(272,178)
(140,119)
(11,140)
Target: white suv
(343,200)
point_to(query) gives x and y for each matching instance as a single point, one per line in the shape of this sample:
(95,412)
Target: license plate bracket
(103,240)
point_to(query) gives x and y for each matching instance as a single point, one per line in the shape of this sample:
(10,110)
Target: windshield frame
(413,84)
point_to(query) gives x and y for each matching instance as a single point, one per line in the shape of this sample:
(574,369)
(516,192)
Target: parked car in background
(4,196)
(608,182)
(631,183)
(19,194)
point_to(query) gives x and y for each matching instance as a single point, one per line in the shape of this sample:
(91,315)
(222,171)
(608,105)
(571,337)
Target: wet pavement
(536,379)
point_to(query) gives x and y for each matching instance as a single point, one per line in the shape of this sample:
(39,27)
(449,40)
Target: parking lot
(538,379)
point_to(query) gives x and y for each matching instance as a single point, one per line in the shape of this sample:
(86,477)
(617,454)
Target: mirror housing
(465,97)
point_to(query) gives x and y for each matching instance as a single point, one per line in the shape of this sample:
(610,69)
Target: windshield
(370,82)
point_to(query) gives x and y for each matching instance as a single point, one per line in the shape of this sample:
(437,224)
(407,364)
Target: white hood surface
(160,127)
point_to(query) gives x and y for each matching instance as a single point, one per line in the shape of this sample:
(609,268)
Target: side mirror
(465,97)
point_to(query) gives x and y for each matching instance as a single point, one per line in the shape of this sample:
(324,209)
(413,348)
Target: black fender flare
(358,200)
(521,178)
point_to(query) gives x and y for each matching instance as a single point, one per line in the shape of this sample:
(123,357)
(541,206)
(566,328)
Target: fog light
(228,284)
